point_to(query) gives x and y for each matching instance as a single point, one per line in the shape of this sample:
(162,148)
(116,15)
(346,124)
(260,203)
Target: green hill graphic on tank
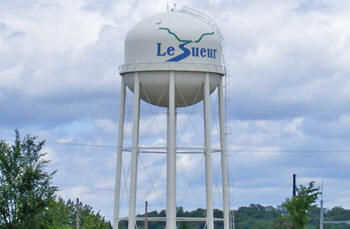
(194,51)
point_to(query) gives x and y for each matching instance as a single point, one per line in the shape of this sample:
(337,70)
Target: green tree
(25,186)
(61,214)
(88,218)
(281,223)
(299,206)
(58,215)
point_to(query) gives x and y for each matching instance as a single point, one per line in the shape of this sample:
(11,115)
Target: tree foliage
(62,214)
(300,205)
(27,197)
(254,216)
(25,186)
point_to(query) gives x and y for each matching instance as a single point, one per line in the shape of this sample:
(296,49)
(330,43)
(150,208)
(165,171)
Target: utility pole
(146,215)
(294,186)
(232,219)
(77,213)
(294,190)
(321,208)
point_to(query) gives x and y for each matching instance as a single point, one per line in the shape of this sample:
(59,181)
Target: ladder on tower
(203,17)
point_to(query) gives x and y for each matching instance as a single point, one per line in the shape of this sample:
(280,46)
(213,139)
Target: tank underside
(188,86)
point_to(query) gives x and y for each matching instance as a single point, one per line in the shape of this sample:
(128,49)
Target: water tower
(173,59)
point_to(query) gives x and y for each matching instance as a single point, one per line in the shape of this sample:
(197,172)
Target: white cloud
(185,163)
(294,126)
(106,125)
(10,78)
(65,27)
(73,192)
(214,2)
(51,155)
(159,142)
(105,184)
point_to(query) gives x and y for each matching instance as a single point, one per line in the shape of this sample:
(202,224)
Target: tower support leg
(224,158)
(208,160)
(171,158)
(119,155)
(134,155)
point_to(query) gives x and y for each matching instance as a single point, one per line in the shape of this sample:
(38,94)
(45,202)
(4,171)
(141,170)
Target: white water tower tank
(173,59)
(185,44)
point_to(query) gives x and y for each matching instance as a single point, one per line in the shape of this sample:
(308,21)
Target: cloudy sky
(288,92)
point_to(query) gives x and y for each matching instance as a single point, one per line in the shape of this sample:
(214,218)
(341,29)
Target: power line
(70,143)
(288,151)
(229,150)
(81,144)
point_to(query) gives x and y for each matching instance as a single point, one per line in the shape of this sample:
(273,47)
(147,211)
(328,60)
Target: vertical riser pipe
(119,155)
(135,144)
(208,160)
(224,158)
(171,157)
